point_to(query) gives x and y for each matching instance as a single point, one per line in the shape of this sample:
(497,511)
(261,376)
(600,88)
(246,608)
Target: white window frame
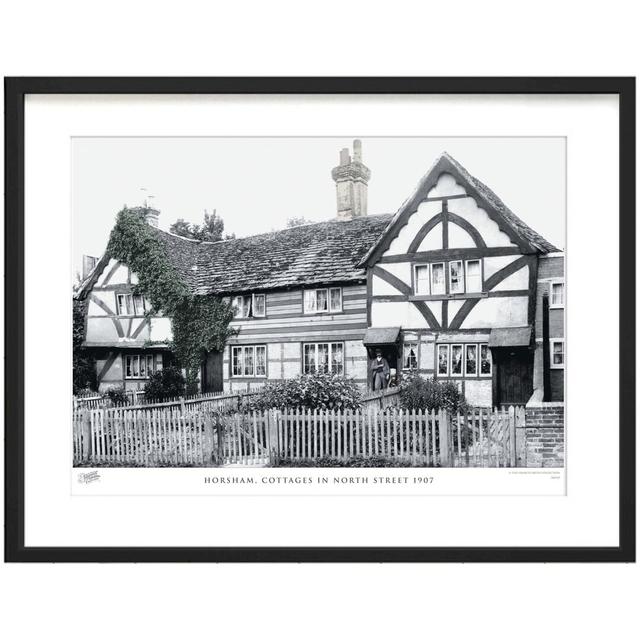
(149,357)
(252,313)
(415,279)
(444,278)
(330,359)
(552,341)
(462,278)
(329,308)
(480,374)
(130,308)
(404,346)
(254,348)
(462,361)
(466,271)
(446,346)
(466,348)
(551,304)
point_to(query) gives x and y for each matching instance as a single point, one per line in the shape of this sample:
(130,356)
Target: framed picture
(320,319)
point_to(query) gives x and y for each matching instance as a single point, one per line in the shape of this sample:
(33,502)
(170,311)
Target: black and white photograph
(319,302)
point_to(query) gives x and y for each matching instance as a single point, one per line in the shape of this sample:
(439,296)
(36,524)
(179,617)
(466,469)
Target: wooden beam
(446,254)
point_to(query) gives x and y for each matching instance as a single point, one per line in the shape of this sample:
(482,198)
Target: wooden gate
(244,438)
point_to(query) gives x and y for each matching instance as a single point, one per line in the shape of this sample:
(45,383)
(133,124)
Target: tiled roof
(318,253)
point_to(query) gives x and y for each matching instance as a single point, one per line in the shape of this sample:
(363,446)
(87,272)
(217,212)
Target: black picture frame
(15,91)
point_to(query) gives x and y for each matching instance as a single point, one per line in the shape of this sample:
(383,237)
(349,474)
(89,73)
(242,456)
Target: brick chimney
(351,177)
(148,214)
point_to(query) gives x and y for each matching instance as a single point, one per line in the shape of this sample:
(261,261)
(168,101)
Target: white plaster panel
(436,309)
(134,278)
(101,330)
(459,238)
(95,310)
(292,350)
(478,392)
(468,209)
(396,314)
(423,214)
(380,287)
(517,280)
(401,270)
(427,357)
(495,263)
(498,312)
(160,329)
(292,369)
(454,307)
(446,186)
(433,240)
(274,349)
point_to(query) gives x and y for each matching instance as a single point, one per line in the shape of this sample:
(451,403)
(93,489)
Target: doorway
(390,354)
(212,372)
(514,375)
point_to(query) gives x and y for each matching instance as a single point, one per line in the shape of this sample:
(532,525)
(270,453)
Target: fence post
(207,445)
(512,436)
(272,436)
(220,434)
(443,421)
(86,436)
(520,440)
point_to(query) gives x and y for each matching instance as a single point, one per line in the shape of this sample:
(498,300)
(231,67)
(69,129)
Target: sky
(257,184)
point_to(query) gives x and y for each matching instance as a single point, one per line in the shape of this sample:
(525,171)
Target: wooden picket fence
(177,436)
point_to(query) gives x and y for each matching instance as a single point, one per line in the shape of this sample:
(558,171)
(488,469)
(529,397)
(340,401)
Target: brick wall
(544,435)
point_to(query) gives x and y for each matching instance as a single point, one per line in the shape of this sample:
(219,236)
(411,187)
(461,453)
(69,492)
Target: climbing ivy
(199,323)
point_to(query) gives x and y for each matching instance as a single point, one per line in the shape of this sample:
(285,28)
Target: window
(249,361)
(138,366)
(128,304)
(485,360)
(323,300)
(471,360)
(250,306)
(422,279)
(462,277)
(323,357)
(557,353)
(456,277)
(556,300)
(410,355)
(464,360)
(456,360)
(443,359)
(437,279)
(473,276)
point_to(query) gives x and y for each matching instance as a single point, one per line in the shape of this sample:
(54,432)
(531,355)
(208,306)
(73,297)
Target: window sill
(449,296)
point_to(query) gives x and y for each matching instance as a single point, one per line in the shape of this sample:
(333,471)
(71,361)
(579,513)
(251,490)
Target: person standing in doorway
(380,372)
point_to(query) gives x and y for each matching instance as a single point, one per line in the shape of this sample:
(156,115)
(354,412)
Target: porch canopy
(381,335)
(510,337)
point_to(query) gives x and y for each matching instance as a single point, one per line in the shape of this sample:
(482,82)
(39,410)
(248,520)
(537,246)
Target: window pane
(336,299)
(129,301)
(237,307)
(129,368)
(323,358)
(248,361)
(309,358)
(473,276)
(143,367)
(410,356)
(259,305)
(557,293)
(150,367)
(337,358)
(437,279)
(558,352)
(238,362)
(456,359)
(246,306)
(261,361)
(138,305)
(455,272)
(471,361)
(135,366)
(323,301)
(310,301)
(443,359)
(422,280)
(485,359)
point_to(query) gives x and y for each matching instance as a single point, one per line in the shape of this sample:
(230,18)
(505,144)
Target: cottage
(454,285)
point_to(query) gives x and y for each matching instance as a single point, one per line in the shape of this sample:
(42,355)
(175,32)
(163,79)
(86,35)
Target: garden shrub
(165,384)
(312,391)
(356,461)
(117,395)
(421,393)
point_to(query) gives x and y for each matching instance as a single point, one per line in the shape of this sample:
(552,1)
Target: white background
(497,38)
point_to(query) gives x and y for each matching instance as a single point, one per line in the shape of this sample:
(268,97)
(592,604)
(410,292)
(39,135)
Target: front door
(212,372)
(514,368)
(390,354)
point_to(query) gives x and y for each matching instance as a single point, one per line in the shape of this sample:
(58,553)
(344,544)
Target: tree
(84,368)
(211,230)
(297,222)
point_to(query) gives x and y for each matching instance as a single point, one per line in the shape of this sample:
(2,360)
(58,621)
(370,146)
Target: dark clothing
(380,374)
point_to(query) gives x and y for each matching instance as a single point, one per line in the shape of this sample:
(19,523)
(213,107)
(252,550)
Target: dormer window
(249,306)
(323,300)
